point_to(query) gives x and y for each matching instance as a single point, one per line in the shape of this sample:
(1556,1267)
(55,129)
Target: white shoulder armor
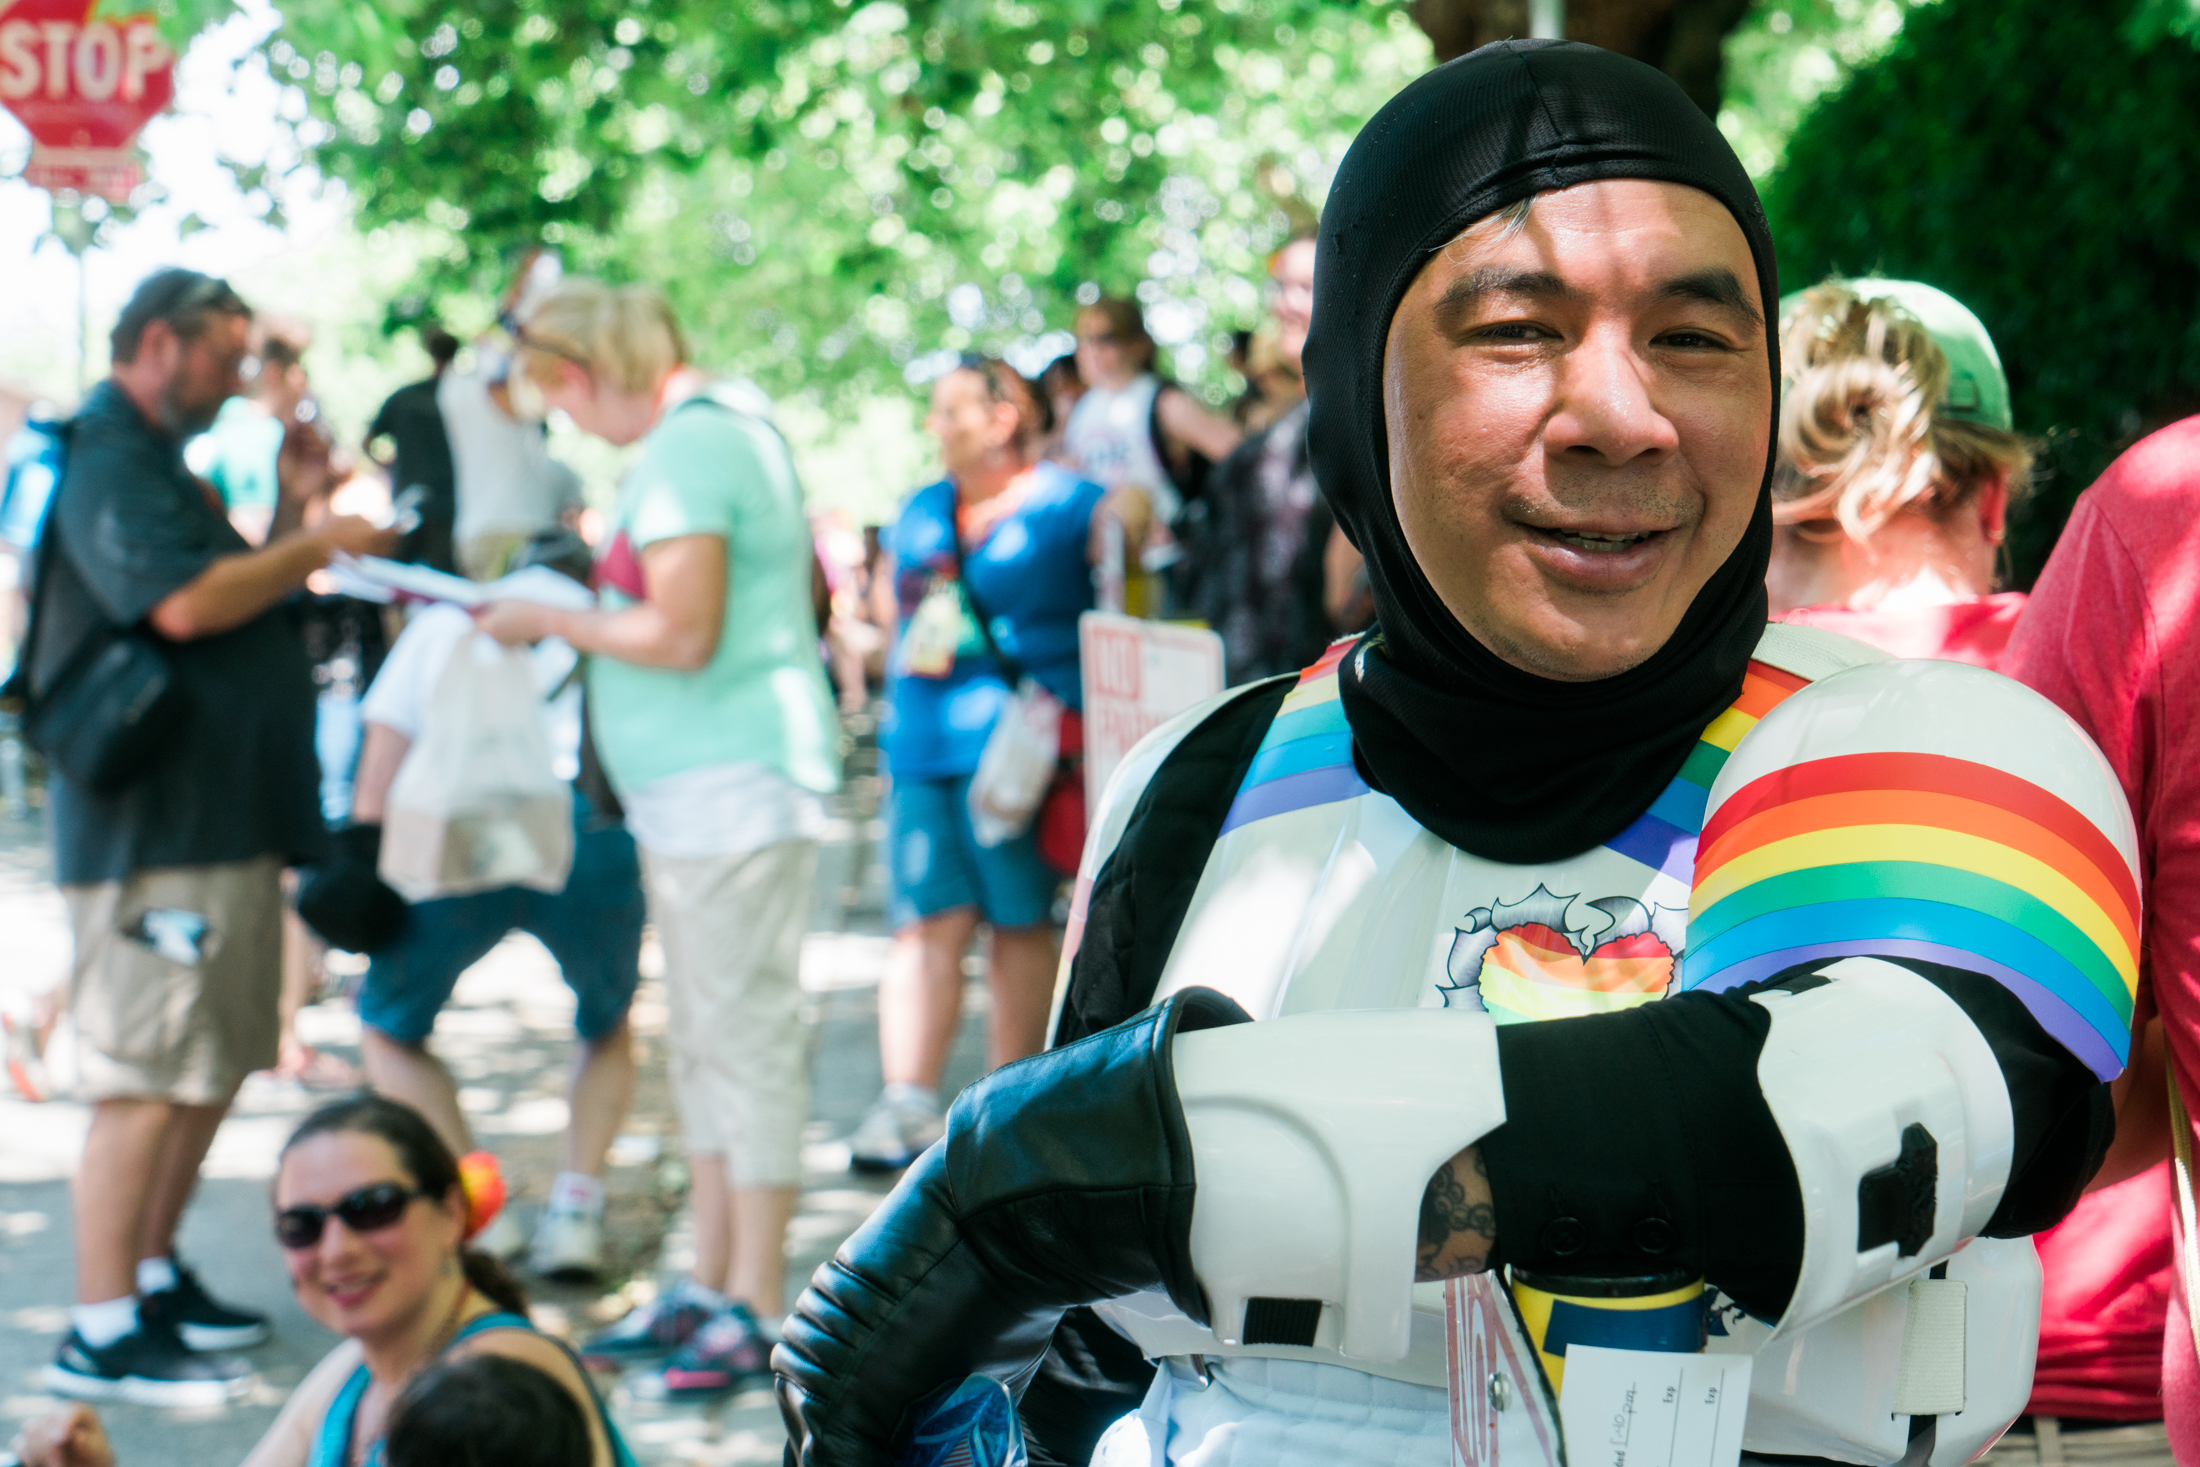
(1811,652)
(1924,811)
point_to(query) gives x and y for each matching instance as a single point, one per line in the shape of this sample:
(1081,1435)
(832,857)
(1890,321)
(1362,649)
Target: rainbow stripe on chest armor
(1888,853)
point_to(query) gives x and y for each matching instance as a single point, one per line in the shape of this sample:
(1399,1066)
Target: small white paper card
(1647,1408)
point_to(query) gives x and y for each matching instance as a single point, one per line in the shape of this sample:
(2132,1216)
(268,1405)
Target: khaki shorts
(732,930)
(177,975)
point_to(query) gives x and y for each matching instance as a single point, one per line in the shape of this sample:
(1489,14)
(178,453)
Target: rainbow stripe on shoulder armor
(1926,810)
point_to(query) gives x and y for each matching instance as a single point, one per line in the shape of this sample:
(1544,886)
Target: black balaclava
(1497,761)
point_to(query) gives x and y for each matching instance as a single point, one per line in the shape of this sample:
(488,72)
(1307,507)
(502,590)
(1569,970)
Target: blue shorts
(938,865)
(593,928)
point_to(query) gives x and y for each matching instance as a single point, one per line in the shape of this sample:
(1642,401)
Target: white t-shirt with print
(406,684)
(507,482)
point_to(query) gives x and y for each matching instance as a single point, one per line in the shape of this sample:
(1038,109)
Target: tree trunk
(1682,38)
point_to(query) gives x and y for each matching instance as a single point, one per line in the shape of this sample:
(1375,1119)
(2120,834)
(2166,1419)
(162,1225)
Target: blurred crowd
(687,661)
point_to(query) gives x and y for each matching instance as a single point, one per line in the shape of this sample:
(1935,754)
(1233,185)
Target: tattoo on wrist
(1458,1220)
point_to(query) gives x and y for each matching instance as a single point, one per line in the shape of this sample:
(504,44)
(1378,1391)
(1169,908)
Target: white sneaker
(567,1246)
(504,1239)
(892,1132)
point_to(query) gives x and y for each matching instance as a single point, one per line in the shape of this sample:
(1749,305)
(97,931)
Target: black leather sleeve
(1064,1179)
(1091,1376)
(1641,1140)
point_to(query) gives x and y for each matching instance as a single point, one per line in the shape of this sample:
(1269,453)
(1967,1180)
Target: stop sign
(83,87)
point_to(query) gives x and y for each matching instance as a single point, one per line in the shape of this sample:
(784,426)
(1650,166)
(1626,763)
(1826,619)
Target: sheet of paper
(1501,1412)
(420,582)
(1644,1408)
(374,578)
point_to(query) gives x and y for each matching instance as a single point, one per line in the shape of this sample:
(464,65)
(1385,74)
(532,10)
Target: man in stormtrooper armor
(1587,925)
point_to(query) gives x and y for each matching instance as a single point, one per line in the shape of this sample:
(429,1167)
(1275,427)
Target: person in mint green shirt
(710,710)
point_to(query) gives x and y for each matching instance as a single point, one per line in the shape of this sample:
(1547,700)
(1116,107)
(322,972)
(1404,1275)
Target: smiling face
(365,1285)
(1578,412)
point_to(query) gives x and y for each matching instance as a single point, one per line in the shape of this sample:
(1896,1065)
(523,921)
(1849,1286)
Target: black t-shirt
(132,525)
(412,421)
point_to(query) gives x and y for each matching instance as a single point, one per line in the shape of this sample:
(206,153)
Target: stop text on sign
(62,60)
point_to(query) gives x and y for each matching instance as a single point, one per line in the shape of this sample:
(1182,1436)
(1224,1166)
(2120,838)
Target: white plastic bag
(477,804)
(1017,765)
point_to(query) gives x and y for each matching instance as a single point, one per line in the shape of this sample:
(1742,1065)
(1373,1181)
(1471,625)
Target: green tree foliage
(1785,55)
(2034,158)
(832,191)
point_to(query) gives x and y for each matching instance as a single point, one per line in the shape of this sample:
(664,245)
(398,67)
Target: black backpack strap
(1145,887)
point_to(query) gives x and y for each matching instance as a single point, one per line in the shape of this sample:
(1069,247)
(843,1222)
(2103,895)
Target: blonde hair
(625,334)
(1862,434)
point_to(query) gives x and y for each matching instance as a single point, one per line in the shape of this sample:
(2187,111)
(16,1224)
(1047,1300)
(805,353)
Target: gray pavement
(507,1037)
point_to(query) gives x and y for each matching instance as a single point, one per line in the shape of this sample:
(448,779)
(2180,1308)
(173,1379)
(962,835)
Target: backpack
(1186,466)
(36,454)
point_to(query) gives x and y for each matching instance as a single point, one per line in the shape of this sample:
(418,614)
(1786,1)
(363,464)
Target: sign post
(83,87)
(1137,676)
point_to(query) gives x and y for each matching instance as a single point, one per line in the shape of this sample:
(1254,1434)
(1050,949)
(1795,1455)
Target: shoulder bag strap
(1011,669)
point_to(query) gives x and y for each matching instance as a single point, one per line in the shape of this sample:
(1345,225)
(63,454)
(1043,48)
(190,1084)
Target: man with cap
(1593,932)
(173,873)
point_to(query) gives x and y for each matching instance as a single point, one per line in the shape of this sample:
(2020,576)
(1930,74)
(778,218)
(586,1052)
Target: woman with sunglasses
(372,1219)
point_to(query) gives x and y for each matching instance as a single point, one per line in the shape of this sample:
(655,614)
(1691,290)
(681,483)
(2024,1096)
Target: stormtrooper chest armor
(1322,894)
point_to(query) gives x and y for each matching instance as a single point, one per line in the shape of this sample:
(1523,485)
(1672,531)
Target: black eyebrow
(1714,287)
(1462,293)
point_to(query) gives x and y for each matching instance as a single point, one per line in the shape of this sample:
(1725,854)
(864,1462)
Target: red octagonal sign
(83,86)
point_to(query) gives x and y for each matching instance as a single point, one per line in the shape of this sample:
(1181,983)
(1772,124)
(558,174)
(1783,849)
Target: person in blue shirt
(1010,539)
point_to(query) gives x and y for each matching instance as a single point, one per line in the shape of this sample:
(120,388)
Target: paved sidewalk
(507,1036)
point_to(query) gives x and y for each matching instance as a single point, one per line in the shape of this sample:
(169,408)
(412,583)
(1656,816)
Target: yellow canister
(1653,1311)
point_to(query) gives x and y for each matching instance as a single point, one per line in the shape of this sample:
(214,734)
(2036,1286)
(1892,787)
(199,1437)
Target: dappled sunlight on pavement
(507,1036)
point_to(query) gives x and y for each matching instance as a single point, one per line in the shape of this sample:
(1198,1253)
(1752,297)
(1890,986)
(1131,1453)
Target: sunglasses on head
(566,353)
(368,1210)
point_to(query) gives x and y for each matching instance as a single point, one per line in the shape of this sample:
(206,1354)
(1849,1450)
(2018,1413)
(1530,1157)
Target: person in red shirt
(2108,637)
(1898,460)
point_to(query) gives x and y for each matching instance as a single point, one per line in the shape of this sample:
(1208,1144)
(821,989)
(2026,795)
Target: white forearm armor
(1897,1118)
(1314,1137)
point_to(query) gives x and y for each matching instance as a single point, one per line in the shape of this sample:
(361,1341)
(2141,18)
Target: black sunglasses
(368,1210)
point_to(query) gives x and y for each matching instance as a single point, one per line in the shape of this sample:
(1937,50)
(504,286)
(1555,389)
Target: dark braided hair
(421,1152)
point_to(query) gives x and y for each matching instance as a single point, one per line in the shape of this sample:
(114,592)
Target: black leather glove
(344,899)
(1063,1179)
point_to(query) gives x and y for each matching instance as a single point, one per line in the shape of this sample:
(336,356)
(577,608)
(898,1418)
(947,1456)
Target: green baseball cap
(1978,390)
